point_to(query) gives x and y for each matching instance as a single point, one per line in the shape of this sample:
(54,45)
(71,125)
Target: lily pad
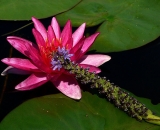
(125,24)
(25,9)
(57,112)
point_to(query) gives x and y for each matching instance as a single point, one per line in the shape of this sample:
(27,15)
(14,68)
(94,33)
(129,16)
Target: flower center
(51,50)
(61,51)
(48,50)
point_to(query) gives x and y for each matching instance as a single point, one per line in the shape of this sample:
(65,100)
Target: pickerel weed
(113,93)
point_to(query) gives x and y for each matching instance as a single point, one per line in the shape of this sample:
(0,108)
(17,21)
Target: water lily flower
(41,62)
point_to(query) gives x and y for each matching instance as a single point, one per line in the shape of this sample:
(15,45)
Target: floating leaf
(25,9)
(57,112)
(126,24)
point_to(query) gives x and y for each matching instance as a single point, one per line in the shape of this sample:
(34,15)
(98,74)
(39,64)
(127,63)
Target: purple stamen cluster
(65,53)
(56,64)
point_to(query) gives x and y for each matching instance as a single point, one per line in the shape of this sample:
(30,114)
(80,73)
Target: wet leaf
(57,112)
(124,24)
(25,9)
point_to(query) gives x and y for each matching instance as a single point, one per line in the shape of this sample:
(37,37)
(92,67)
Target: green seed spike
(113,93)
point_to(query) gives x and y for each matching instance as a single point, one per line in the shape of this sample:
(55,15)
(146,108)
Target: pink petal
(91,68)
(77,47)
(66,35)
(68,86)
(56,27)
(39,39)
(51,36)
(76,55)
(88,42)
(36,59)
(19,43)
(39,26)
(19,63)
(33,81)
(31,51)
(11,70)
(78,34)
(95,59)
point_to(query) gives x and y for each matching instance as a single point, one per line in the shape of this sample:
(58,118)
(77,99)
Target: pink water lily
(41,64)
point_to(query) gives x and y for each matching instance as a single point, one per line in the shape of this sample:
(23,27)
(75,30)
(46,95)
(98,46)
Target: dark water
(137,70)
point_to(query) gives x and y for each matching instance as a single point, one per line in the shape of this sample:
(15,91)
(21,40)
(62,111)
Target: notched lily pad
(59,112)
(126,24)
(25,9)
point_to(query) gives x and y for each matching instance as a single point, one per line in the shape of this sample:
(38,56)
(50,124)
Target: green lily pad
(57,112)
(126,24)
(25,9)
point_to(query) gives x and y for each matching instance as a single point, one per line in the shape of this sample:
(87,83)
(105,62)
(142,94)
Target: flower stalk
(113,93)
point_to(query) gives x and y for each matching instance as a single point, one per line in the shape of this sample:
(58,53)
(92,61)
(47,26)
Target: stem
(113,93)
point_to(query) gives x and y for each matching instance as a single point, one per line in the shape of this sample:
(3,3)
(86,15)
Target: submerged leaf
(59,112)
